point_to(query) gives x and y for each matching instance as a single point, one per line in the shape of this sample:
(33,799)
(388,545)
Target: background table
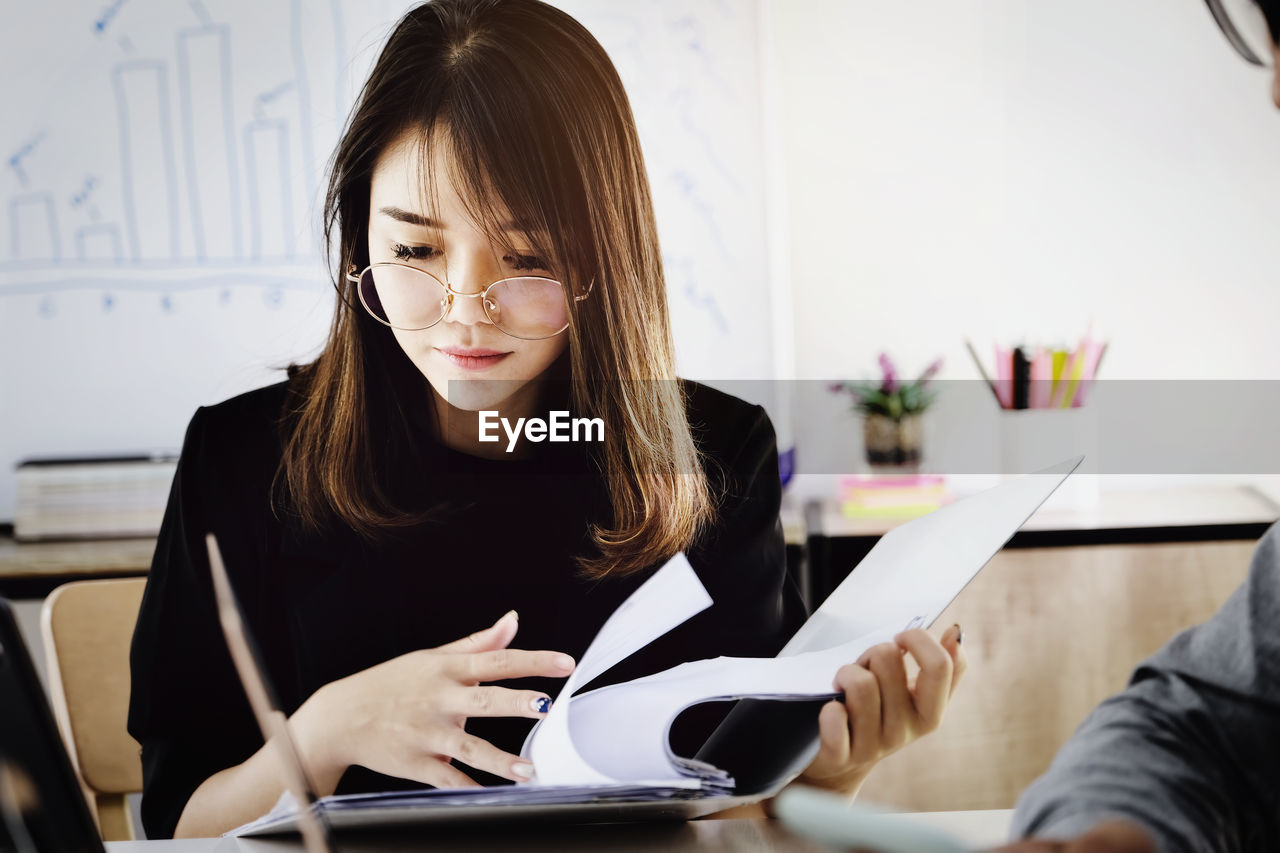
(1188,513)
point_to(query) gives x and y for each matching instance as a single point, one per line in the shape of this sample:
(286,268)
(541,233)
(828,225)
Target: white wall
(1010,169)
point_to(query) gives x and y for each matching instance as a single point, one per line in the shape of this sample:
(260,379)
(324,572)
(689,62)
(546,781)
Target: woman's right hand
(405,717)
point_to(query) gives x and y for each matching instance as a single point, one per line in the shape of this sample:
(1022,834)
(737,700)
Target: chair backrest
(87,628)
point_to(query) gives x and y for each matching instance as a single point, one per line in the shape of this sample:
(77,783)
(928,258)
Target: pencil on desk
(1091,375)
(1070,376)
(1004,371)
(1041,377)
(982,370)
(1021,378)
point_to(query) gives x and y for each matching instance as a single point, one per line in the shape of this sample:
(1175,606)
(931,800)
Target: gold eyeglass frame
(355,277)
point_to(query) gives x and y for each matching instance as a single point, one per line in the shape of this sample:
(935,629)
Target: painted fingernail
(959,633)
(564,662)
(541,705)
(524,770)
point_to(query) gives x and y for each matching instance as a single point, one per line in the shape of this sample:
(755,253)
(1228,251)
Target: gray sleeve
(1191,748)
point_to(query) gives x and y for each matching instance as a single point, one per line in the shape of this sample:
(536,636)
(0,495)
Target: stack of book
(119,497)
(891,496)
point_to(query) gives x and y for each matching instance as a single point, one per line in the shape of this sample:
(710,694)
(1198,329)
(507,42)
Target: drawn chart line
(304,99)
(115,285)
(683,279)
(142,102)
(30,237)
(340,51)
(87,246)
(15,159)
(268,210)
(213,182)
(185,98)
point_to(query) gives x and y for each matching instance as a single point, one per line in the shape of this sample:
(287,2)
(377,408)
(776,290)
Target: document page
(578,742)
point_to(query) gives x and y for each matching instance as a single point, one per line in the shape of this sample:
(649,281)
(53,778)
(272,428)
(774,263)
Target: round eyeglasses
(1248,25)
(409,299)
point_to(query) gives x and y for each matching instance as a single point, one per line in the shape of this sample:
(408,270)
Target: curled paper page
(670,597)
(578,742)
(646,707)
(285,807)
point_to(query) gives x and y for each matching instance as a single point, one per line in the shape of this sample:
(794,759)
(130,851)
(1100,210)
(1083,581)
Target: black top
(322,607)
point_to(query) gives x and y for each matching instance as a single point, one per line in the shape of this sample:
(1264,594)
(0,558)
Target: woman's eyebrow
(408,216)
(401,215)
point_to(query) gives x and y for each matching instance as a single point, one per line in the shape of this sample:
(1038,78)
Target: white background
(1006,170)
(1011,170)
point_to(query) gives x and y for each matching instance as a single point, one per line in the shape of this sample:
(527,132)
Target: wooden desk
(981,829)
(33,569)
(1050,633)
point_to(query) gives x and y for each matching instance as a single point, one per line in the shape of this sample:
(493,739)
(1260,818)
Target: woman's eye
(526,262)
(415,253)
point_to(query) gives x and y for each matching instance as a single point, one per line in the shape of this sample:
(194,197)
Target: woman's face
(468,361)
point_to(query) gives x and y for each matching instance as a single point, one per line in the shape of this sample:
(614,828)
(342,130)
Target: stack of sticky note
(891,496)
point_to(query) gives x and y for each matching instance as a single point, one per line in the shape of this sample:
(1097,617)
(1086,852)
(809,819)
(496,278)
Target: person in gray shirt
(1190,751)
(1187,757)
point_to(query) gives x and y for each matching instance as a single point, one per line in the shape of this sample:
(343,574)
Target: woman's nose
(468,283)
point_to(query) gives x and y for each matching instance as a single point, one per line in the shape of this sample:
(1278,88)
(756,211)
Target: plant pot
(892,442)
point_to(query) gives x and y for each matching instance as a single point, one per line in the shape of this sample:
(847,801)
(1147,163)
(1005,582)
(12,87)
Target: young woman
(490,208)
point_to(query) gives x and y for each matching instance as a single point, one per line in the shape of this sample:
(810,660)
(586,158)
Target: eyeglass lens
(406,298)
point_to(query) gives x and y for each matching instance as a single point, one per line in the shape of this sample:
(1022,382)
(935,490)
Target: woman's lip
(470,352)
(469,360)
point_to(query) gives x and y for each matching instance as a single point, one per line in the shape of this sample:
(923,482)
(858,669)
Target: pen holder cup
(1032,439)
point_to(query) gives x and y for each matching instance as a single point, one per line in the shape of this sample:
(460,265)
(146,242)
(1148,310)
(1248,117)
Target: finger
(502,664)
(862,706)
(953,642)
(897,712)
(497,636)
(833,733)
(439,773)
(933,683)
(482,755)
(496,702)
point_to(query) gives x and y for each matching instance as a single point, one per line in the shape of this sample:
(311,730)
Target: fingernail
(514,615)
(564,662)
(524,770)
(541,705)
(959,633)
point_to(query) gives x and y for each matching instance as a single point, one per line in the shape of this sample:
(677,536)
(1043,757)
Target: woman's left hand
(882,710)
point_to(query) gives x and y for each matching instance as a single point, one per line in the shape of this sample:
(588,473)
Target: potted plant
(891,412)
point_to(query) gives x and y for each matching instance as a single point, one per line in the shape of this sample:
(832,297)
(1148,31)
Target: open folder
(605,755)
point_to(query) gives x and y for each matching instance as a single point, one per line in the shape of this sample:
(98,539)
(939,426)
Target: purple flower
(890,383)
(931,371)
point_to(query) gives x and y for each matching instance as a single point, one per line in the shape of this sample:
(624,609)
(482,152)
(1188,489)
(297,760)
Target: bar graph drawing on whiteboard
(155,148)
(167,150)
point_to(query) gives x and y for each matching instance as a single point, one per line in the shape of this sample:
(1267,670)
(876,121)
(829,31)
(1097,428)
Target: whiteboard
(161,185)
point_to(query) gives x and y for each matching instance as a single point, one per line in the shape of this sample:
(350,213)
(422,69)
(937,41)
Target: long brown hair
(536,117)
